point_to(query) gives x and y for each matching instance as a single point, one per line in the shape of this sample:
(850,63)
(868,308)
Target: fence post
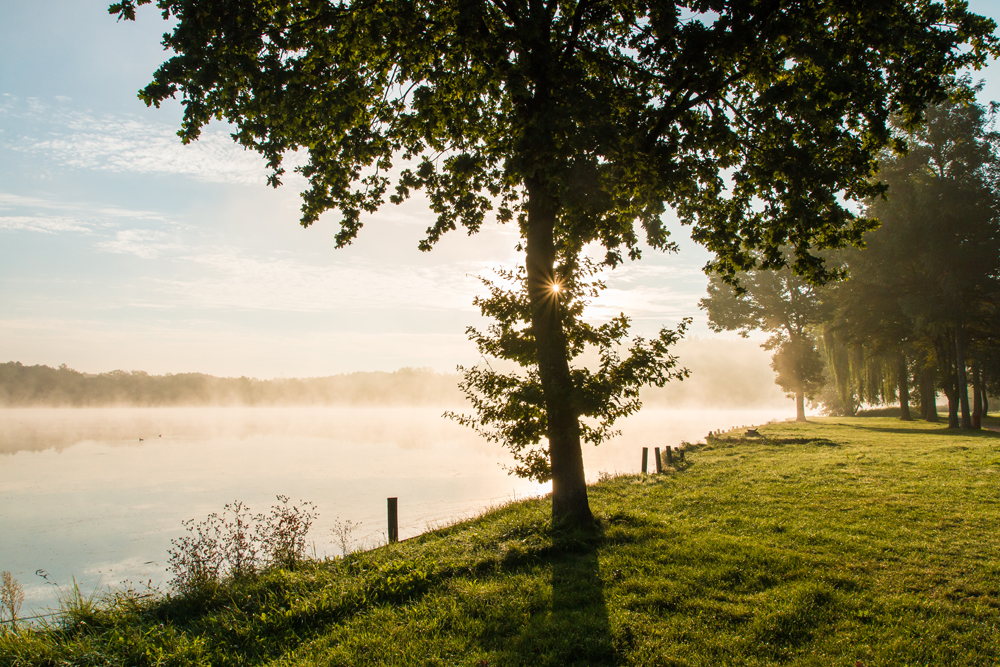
(393,520)
(645,456)
(659,463)
(680,454)
(670,457)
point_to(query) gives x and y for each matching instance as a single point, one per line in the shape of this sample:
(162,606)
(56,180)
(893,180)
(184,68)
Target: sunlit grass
(836,542)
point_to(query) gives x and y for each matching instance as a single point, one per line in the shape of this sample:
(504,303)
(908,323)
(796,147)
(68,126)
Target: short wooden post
(393,520)
(656,457)
(645,457)
(680,454)
(670,457)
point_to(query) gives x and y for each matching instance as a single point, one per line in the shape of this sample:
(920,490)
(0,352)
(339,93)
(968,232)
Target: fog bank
(725,374)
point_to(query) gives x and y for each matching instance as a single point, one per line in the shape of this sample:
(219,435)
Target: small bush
(237,544)
(284,532)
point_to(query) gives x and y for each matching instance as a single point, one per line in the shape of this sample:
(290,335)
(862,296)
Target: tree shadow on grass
(575,629)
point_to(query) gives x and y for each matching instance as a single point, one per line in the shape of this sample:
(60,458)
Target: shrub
(237,544)
(284,532)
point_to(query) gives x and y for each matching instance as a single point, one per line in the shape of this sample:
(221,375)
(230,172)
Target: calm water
(97,494)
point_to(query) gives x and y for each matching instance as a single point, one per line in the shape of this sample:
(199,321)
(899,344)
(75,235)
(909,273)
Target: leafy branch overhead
(619,108)
(510,407)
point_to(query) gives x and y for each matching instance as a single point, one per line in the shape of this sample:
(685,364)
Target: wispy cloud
(144,243)
(234,279)
(121,143)
(118,230)
(644,303)
(45,224)
(85,213)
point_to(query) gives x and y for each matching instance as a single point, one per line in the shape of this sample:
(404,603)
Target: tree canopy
(927,285)
(578,120)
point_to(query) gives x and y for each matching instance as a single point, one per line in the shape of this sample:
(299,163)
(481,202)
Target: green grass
(837,542)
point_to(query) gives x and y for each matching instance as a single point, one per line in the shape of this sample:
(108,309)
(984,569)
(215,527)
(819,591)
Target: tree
(511,406)
(927,284)
(577,120)
(865,315)
(784,305)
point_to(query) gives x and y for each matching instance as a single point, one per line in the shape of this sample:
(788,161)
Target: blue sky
(121,248)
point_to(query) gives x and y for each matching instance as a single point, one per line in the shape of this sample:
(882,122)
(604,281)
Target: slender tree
(784,305)
(578,120)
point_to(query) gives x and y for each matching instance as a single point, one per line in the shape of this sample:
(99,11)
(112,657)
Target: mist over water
(84,497)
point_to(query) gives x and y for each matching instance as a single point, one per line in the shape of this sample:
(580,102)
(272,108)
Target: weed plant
(840,542)
(343,535)
(237,544)
(11,599)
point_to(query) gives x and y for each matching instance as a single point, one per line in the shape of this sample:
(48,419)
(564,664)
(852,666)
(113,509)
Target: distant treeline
(64,387)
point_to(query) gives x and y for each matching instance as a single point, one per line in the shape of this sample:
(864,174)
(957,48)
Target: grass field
(865,541)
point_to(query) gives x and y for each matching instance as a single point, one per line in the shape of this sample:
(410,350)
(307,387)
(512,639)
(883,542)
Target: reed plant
(11,599)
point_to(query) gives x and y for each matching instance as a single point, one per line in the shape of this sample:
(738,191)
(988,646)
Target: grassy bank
(839,542)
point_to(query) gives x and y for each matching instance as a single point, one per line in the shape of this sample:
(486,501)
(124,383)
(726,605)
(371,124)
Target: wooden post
(670,457)
(659,463)
(680,454)
(645,456)
(393,520)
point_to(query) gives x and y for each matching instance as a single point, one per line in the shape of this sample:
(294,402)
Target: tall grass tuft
(77,610)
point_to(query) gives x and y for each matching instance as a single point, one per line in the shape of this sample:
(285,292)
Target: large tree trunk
(928,394)
(904,388)
(961,381)
(946,362)
(800,406)
(569,484)
(952,395)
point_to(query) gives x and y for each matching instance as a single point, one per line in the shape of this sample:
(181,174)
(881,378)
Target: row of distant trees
(42,385)
(918,312)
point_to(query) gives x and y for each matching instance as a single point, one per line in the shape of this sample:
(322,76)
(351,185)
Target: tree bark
(946,362)
(961,381)
(904,388)
(977,397)
(800,406)
(928,395)
(570,505)
(952,395)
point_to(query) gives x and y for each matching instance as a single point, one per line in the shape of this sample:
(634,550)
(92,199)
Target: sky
(120,248)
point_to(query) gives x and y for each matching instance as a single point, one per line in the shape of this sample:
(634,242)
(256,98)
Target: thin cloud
(124,231)
(85,214)
(118,143)
(232,279)
(46,225)
(643,303)
(144,243)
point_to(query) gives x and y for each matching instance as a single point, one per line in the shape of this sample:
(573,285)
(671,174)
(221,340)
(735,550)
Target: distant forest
(64,387)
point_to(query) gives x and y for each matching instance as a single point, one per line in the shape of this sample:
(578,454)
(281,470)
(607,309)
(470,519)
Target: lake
(97,494)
